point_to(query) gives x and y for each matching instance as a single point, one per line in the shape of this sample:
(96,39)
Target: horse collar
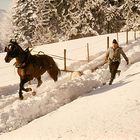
(20,65)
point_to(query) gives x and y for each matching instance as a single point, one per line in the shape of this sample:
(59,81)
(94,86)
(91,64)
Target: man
(114,58)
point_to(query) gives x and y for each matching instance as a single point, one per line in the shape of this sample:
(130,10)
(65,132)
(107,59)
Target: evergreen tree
(131,11)
(24,19)
(47,21)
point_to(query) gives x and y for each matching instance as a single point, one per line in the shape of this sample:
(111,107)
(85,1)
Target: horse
(30,66)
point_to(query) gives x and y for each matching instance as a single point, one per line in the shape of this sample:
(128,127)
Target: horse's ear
(6,49)
(11,40)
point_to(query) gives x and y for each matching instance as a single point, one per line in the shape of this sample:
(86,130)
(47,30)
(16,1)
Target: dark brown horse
(30,66)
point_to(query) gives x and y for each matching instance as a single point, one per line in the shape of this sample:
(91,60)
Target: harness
(25,61)
(22,65)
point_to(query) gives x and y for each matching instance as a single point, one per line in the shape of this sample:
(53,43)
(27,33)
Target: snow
(100,112)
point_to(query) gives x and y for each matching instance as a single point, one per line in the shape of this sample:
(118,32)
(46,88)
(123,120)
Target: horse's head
(12,51)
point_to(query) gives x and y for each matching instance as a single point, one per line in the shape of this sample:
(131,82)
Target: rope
(56,56)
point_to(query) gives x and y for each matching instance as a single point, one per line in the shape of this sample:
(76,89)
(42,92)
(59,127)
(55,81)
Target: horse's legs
(22,82)
(39,81)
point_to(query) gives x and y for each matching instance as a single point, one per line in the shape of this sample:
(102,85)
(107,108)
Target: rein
(23,62)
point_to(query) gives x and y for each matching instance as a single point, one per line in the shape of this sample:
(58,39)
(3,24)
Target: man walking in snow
(114,58)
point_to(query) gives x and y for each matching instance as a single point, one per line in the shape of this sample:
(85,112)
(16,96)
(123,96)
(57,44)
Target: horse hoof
(33,93)
(28,89)
(21,97)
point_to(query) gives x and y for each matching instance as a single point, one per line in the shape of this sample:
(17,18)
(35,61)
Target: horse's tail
(54,71)
(59,71)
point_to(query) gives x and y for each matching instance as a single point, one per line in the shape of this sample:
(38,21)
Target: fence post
(117,37)
(107,42)
(135,35)
(65,63)
(127,37)
(88,52)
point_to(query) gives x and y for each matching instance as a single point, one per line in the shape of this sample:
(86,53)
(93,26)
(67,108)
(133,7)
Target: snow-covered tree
(24,19)
(47,21)
(131,11)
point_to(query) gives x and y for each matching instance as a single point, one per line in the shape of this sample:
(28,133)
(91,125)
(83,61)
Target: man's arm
(124,55)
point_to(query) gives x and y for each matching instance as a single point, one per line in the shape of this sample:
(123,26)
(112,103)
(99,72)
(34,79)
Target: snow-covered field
(102,112)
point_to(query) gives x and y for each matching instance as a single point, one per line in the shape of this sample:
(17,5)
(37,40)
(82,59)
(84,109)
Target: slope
(50,96)
(109,112)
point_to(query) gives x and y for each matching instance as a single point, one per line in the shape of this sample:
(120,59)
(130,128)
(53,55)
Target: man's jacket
(114,54)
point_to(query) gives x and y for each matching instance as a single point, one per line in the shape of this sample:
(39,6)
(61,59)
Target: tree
(24,19)
(131,11)
(47,21)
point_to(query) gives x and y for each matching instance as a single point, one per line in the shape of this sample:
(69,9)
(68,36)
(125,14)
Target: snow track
(15,113)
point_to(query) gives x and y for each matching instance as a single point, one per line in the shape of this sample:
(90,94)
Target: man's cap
(115,41)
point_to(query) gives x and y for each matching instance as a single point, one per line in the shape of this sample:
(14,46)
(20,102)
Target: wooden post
(127,37)
(108,27)
(65,63)
(135,35)
(107,42)
(117,37)
(88,52)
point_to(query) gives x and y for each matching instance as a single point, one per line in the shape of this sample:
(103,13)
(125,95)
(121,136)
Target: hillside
(2,14)
(5,28)
(109,112)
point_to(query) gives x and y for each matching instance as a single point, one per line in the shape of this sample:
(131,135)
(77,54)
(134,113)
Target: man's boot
(111,80)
